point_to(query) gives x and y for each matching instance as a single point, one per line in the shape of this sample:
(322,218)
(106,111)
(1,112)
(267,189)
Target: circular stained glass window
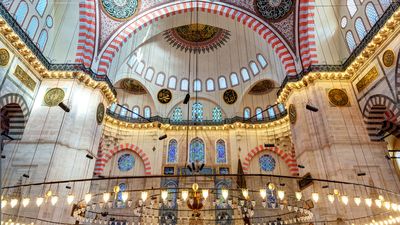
(49,21)
(120,9)
(267,163)
(126,162)
(343,22)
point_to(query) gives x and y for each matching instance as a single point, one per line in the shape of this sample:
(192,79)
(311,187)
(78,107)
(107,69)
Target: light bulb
(345,199)
(245,193)
(88,197)
(298,195)
(185,195)
(164,195)
(13,202)
(144,195)
(3,203)
(378,203)
(336,191)
(394,206)
(25,202)
(116,189)
(380,197)
(54,199)
(263,193)
(225,193)
(70,199)
(271,186)
(205,193)
(368,202)
(315,196)
(106,196)
(387,205)
(357,200)
(331,198)
(124,196)
(39,201)
(281,194)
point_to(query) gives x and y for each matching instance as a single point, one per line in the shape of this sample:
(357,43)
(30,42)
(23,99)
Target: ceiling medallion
(100,113)
(133,86)
(338,97)
(54,96)
(164,96)
(292,114)
(120,9)
(388,58)
(274,9)
(230,96)
(4,57)
(196,37)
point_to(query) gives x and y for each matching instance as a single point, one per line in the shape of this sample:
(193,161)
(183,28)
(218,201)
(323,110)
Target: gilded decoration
(338,97)
(164,96)
(367,79)
(120,9)
(133,86)
(54,96)
(197,37)
(274,9)
(24,78)
(292,114)
(100,113)
(230,96)
(388,58)
(4,57)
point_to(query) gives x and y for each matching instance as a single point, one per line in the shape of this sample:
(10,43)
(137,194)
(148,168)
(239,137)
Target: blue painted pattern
(126,162)
(172,149)
(120,9)
(197,152)
(221,151)
(267,163)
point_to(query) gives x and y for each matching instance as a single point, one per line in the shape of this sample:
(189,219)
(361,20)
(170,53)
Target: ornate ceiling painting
(120,9)
(262,87)
(197,37)
(133,87)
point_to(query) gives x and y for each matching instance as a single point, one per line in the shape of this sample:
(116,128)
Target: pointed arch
(172,154)
(197,151)
(21,12)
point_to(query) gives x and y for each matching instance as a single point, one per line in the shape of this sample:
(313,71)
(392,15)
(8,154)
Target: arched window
(222,82)
(197,151)
(160,79)
(147,112)
(122,188)
(123,110)
(234,79)
(352,7)
(132,60)
(184,85)
(177,115)
(267,163)
(42,40)
(259,114)
(220,150)
(350,41)
(149,74)
(245,74)
(254,68)
(385,4)
(262,61)
(172,151)
(21,12)
(32,27)
(41,7)
(197,85)
(360,28)
(371,13)
(281,107)
(210,85)
(271,113)
(172,82)
(136,112)
(197,112)
(113,107)
(139,68)
(217,114)
(246,113)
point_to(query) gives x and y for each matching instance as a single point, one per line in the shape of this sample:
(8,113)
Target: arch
(257,24)
(234,79)
(351,43)
(222,83)
(42,40)
(220,151)
(160,79)
(210,85)
(371,13)
(21,12)
(13,106)
(136,112)
(172,152)
(32,28)
(360,28)
(374,115)
(287,158)
(105,156)
(41,7)
(172,82)
(197,150)
(16,99)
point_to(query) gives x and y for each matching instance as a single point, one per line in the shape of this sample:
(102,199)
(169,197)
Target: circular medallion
(126,162)
(388,58)
(54,96)
(292,114)
(120,9)
(164,96)
(274,9)
(100,113)
(4,57)
(230,96)
(338,97)
(267,163)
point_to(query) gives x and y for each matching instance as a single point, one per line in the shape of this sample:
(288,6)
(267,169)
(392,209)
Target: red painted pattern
(307,43)
(87,32)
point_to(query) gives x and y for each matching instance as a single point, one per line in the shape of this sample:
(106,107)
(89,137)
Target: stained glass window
(136,112)
(197,152)
(371,13)
(197,112)
(147,112)
(126,162)
(271,199)
(259,114)
(172,150)
(267,163)
(271,112)
(221,151)
(210,85)
(281,107)
(262,61)
(350,40)
(41,7)
(217,114)
(32,27)
(119,203)
(246,113)
(42,40)
(172,82)
(351,6)
(177,115)
(360,28)
(21,12)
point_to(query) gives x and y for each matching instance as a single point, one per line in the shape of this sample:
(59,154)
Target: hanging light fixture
(225,193)
(25,202)
(106,196)
(245,193)
(164,195)
(271,186)
(263,193)
(368,202)
(3,203)
(14,202)
(39,201)
(54,199)
(205,193)
(357,200)
(387,205)
(281,194)
(185,195)
(394,206)
(345,199)
(88,197)
(70,199)
(378,203)
(298,195)
(125,196)
(315,196)
(144,195)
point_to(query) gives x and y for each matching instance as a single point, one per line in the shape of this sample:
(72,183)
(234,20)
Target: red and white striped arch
(223,9)
(307,44)
(105,156)
(287,158)
(87,32)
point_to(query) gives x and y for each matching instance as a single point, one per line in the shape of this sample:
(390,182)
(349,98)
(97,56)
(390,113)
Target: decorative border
(87,32)
(307,44)
(19,100)
(103,158)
